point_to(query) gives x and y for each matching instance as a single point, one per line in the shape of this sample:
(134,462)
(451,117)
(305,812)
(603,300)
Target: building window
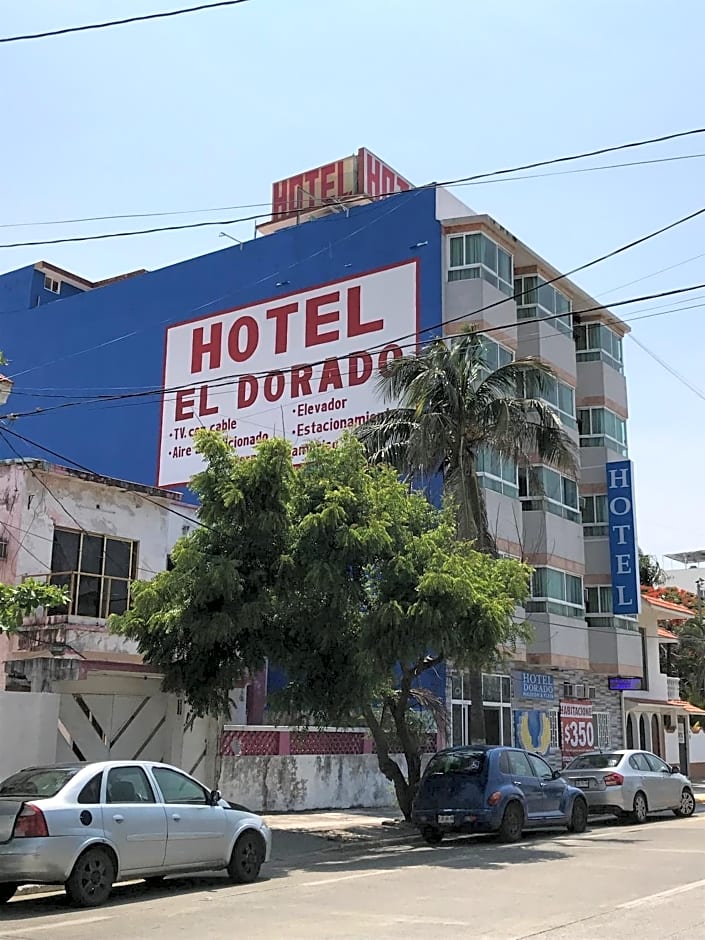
(97,569)
(556,592)
(602,729)
(557,394)
(600,427)
(494,355)
(51,284)
(595,341)
(536,299)
(598,610)
(544,490)
(497,473)
(594,512)
(496,694)
(477,256)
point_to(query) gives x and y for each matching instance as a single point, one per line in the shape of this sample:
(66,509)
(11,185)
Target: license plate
(583,784)
(446,819)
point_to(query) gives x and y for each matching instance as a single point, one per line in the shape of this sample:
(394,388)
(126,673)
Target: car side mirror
(556,775)
(215,797)
(675,769)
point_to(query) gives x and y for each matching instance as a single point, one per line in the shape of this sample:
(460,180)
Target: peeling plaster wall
(306,782)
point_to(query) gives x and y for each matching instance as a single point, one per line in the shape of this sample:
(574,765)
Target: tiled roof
(664,634)
(667,605)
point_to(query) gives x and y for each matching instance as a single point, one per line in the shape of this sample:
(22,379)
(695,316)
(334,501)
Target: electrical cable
(260,205)
(452,182)
(225,381)
(123,22)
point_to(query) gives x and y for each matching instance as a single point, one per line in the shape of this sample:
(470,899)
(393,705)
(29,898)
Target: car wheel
(431,835)
(7,891)
(247,858)
(579,816)
(512,823)
(91,880)
(641,809)
(154,881)
(687,804)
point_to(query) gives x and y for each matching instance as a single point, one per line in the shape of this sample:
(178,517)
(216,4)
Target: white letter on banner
(621,529)
(620,499)
(623,563)
(624,477)
(623,601)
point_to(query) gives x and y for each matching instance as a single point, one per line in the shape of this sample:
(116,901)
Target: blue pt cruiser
(482,788)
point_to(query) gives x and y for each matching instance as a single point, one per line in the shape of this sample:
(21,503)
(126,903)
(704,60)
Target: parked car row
(86,825)
(480,788)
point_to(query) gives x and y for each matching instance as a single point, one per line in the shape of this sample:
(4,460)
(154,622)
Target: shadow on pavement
(297,852)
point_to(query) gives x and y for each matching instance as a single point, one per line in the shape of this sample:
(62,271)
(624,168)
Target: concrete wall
(27,730)
(306,782)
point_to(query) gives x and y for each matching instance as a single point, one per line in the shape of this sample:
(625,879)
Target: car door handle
(175,816)
(517,783)
(118,818)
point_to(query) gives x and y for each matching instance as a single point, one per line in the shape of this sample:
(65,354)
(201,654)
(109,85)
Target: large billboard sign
(302,366)
(362,174)
(624,552)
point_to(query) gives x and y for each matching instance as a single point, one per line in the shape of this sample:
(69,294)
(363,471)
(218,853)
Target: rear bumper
(609,800)
(39,861)
(468,821)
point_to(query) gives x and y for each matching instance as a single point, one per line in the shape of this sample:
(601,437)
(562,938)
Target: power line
(5,430)
(123,22)
(225,381)
(670,369)
(273,216)
(260,205)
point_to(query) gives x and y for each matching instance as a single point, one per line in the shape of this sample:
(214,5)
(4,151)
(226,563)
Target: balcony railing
(91,595)
(673,686)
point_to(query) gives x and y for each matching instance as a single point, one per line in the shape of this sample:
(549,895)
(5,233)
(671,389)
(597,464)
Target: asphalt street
(615,880)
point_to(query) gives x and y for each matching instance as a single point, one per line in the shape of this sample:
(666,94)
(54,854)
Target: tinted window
(44,782)
(638,762)
(91,792)
(128,785)
(540,767)
(594,761)
(656,764)
(519,764)
(468,762)
(176,788)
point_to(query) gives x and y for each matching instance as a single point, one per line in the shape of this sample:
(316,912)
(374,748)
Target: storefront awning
(679,705)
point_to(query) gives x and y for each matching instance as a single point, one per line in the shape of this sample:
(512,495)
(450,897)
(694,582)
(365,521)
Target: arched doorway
(642,732)
(630,731)
(655,735)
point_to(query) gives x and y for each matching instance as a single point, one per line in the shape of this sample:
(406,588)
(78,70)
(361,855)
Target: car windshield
(464,762)
(41,781)
(594,761)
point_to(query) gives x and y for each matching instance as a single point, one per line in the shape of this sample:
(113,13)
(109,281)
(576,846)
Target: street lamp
(5,388)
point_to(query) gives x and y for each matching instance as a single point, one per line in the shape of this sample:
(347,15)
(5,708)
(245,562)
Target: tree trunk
(478,732)
(391,770)
(410,743)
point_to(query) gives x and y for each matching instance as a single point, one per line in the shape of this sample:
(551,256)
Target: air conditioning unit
(580,690)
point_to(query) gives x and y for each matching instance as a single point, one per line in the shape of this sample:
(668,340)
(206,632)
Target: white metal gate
(95,726)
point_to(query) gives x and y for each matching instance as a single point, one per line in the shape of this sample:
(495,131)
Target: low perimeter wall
(288,770)
(28,723)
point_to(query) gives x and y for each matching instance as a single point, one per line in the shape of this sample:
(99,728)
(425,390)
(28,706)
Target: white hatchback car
(87,825)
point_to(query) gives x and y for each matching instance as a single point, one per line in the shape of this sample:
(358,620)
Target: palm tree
(449,409)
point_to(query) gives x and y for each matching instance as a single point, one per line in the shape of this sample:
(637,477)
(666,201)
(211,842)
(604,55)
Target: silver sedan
(630,784)
(87,825)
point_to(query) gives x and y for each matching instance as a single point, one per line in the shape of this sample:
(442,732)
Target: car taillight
(613,780)
(31,823)
(494,798)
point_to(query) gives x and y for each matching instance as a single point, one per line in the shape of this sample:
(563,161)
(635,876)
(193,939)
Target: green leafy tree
(340,574)
(650,571)
(449,410)
(20,600)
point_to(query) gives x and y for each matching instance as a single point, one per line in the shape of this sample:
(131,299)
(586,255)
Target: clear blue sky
(207,109)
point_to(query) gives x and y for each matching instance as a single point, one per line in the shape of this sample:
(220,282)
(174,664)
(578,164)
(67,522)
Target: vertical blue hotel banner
(624,554)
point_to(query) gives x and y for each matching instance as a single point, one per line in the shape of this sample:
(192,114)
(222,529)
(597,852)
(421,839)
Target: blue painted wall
(110,340)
